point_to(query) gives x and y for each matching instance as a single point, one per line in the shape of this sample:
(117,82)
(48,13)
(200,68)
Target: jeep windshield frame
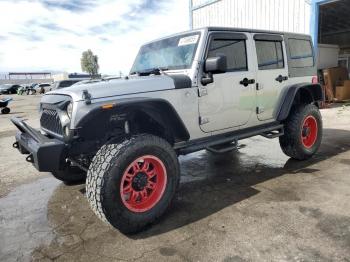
(171,53)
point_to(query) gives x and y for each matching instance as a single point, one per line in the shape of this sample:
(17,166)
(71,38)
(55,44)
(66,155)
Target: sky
(50,35)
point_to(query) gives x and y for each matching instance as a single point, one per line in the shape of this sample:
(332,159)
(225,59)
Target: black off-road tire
(291,142)
(5,110)
(70,175)
(105,175)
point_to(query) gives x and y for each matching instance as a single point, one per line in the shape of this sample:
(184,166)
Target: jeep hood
(119,87)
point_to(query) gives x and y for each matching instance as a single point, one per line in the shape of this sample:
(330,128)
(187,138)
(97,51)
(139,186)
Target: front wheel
(131,184)
(303,132)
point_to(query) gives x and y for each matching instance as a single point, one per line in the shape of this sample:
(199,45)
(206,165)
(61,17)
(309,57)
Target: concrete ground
(254,204)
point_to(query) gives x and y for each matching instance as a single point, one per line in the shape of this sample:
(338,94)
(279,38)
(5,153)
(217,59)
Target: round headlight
(70,110)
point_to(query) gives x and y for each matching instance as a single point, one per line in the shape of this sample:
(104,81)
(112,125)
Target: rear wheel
(131,184)
(70,175)
(303,132)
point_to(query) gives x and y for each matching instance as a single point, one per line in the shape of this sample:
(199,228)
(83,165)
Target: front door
(272,73)
(229,101)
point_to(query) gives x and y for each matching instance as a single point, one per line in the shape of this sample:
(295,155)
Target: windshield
(172,53)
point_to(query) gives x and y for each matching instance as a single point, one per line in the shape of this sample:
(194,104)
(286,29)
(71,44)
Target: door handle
(281,78)
(246,82)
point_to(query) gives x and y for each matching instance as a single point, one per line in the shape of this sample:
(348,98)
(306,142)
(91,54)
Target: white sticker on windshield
(188,40)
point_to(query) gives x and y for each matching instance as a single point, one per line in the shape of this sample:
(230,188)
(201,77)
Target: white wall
(25,81)
(279,15)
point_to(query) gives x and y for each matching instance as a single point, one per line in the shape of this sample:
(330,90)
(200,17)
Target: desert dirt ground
(253,204)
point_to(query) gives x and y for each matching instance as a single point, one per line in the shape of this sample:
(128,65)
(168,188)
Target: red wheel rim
(143,183)
(309,132)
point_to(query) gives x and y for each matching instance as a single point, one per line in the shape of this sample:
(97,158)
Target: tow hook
(30,158)
(15,145)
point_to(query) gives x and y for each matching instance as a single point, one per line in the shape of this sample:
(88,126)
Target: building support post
(191,14)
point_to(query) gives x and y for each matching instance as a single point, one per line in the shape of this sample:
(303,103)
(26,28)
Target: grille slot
(50,121)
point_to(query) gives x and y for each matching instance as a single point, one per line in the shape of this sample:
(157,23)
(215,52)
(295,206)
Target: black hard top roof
(218,28)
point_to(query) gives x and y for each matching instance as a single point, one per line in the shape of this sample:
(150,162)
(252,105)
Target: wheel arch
(144,115)
(304,93)
(157,117)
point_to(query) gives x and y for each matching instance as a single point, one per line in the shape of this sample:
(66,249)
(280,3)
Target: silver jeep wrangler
(203,89)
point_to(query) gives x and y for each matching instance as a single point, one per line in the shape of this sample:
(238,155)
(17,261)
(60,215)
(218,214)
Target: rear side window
(301,54)
(270,54)
(234,50)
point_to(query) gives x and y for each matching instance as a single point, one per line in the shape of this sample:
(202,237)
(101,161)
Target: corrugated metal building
(325,20)
(278,15)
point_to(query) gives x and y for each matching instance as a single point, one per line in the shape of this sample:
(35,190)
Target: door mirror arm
(207,79)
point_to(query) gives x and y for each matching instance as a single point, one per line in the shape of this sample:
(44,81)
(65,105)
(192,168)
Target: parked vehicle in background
(27,90)
(21,90)
(9,89)
(42,88)
(30,89)
(63,83)
(202,89)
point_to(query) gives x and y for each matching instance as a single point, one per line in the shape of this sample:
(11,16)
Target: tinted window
(301,53)
(270,54)
(234,50)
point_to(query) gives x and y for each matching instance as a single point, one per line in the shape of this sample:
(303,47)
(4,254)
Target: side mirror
(213,65)
(216,64)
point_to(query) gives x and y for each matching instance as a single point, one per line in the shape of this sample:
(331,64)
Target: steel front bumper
(46,154)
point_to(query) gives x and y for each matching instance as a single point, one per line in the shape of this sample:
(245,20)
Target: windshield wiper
(151,71)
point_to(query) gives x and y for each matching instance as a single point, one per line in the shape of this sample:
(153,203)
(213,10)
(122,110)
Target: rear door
(227,103)
(272,73)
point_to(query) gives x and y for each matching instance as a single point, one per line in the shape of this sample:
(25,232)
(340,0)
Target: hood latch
(87,97)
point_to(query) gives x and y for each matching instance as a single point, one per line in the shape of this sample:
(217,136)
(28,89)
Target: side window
(234,50)
(270,54)
(301,54)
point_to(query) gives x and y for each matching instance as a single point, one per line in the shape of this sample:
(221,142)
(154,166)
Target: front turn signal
(107,106)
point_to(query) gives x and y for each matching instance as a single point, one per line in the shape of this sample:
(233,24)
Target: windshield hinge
(260,110)
(202,91)
(203,120)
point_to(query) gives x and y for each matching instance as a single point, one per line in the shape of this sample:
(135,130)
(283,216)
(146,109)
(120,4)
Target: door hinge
(203,120)
(258,86)
(202,91)
(259,110)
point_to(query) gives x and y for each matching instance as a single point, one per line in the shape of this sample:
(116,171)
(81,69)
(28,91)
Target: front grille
(50,121)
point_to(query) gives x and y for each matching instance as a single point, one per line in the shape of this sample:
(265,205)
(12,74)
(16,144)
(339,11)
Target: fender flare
(158,109)
(290,93)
